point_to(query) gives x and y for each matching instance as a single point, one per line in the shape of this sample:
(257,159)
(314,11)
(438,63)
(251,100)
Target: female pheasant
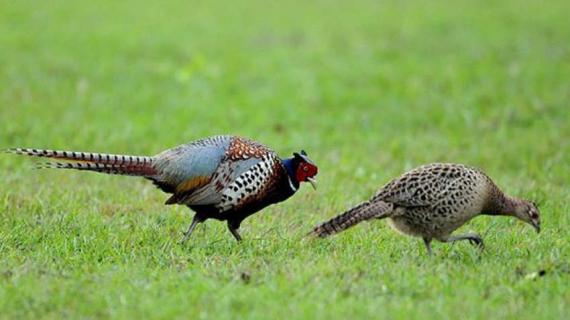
(434,200)
(222,177)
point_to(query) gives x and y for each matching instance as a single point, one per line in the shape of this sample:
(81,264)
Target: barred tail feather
(97,162)
(361,212)
(99,167)
(112,159)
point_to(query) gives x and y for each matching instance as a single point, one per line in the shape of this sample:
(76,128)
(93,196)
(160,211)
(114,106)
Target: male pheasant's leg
(473,238)
(193,225)
(234,230)
(427,243)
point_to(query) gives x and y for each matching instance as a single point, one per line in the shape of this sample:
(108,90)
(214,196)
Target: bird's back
(193,160)
(428,184)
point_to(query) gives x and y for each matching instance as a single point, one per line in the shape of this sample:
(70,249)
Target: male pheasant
(434,200)
(222,177)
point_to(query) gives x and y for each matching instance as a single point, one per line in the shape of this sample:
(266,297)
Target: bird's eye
(533,215)
(305,169)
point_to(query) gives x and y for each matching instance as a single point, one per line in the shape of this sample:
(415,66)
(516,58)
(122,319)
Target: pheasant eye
(533,215)
(305,169)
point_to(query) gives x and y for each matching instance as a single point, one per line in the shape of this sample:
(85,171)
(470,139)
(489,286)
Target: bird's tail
(361,212)
(97,162)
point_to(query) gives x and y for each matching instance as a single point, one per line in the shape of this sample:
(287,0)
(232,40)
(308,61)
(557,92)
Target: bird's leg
(193,225)
(427,242)
(233,227)
(473,238)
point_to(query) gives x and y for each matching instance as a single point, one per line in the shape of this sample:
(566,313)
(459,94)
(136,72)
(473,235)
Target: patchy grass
(369,89)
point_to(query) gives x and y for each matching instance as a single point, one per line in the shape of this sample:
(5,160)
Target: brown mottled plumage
(434,200)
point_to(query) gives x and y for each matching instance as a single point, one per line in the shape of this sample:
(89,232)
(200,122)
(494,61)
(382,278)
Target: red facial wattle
(305,171)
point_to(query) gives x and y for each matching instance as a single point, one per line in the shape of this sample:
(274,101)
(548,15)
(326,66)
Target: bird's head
(302,169)
(528,212)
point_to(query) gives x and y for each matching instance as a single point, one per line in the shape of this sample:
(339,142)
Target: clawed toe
(472,238)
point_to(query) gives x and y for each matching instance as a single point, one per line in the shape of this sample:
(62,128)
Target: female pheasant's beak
(534,214)
(313,182)
(536,225)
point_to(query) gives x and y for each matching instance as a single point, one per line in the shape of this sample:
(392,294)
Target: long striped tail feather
(113,159)
(88,161)
(99,167)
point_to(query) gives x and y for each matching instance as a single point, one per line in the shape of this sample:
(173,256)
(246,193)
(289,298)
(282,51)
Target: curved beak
(313,182)
(536,226)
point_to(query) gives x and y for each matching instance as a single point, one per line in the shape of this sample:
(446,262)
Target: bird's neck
(290,166)
(501,204)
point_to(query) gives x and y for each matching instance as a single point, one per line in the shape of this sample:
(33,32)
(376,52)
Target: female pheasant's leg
(427,243)
(193,225)
(473,238)
(233,227)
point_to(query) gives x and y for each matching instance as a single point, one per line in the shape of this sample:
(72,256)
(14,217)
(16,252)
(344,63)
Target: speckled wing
(251,183)
(241,157)
(426,186)
(212,192)
(198,173)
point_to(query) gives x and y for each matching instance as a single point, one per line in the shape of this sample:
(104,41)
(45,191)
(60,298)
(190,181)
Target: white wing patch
(248,183)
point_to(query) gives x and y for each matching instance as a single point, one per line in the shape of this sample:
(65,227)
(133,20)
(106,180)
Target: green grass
(369,89)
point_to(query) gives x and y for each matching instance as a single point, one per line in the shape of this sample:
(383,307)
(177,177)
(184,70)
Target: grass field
(369,89)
